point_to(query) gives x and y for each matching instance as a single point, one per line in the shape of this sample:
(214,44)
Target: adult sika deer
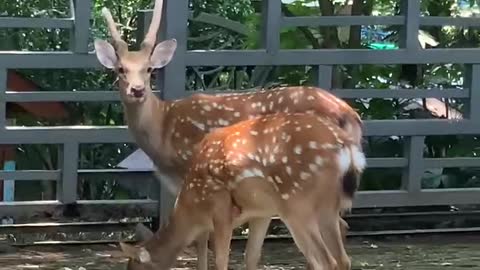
(167,131)
(296,166)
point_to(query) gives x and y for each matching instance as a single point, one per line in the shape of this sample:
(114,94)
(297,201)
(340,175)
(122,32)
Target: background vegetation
(245,35)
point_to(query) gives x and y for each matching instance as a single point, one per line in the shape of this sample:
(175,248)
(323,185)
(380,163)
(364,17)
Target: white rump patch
(344,160)
(351,156)
(359,160)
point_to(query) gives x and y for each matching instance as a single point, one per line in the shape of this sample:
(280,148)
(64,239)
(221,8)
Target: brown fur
(289,165)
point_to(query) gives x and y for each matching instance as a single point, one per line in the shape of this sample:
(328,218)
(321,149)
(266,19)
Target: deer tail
(352,162)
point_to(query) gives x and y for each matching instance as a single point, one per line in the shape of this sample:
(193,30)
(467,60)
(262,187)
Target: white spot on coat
(313,145)
(319,160)
(305,175)
(198,124)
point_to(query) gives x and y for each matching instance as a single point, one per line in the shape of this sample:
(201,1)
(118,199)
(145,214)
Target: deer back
(291,153)
(189,119)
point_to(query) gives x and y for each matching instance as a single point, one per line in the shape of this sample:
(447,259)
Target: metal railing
(172,81)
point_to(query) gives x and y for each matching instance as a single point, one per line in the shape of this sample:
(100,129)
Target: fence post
(323,76)
(409,33)
(472,81)
(144,17)
(412,174)
(3,104)
(68,163)
(81,28)
(271,23)
(171,80)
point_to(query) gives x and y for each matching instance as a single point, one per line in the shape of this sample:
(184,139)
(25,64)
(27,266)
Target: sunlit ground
(405,254)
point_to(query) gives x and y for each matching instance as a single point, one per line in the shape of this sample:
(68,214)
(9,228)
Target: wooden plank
(17,22)
(387,162)
(315,21)
(451,162)
(73,227)
(99,210)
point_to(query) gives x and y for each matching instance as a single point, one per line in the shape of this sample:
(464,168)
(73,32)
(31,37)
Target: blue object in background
(9,185)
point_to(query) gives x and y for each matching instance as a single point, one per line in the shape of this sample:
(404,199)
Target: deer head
(134,68)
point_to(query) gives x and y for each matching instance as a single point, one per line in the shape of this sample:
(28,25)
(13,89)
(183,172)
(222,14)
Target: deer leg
(202,251)
(302,235)
(323,249)
(343,229)
(257,229)
(222,232)
(336,235)
(331,231)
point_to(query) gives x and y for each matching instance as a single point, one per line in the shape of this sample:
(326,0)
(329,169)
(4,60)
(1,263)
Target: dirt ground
(405,254)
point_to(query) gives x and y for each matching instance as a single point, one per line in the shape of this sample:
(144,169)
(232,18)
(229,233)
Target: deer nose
(138,91)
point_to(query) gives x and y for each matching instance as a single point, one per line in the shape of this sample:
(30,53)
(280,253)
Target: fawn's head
(138,258)
(134,68)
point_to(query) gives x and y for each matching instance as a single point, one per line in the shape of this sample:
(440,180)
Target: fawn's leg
(330,228)
(257,229)
(343,229)
(302,230)
(222,231)
(323,247)
(202,251)
(331,232)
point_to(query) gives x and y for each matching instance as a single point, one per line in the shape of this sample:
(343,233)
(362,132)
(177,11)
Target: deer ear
(140,254)
(105,53)
(143,233)
(163,53)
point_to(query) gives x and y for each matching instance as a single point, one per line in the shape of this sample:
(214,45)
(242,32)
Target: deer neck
(170,240)
(146,114)
(145,120)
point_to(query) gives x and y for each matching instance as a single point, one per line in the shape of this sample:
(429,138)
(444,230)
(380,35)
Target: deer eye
(149,69)
(121,70)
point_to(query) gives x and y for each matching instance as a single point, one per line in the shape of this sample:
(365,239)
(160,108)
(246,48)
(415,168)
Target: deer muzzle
(138,91)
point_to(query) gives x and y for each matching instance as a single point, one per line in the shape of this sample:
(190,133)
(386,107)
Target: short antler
(120,45)
(150,38)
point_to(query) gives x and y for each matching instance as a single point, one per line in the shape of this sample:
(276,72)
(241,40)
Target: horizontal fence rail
(260,57)
(173,86)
